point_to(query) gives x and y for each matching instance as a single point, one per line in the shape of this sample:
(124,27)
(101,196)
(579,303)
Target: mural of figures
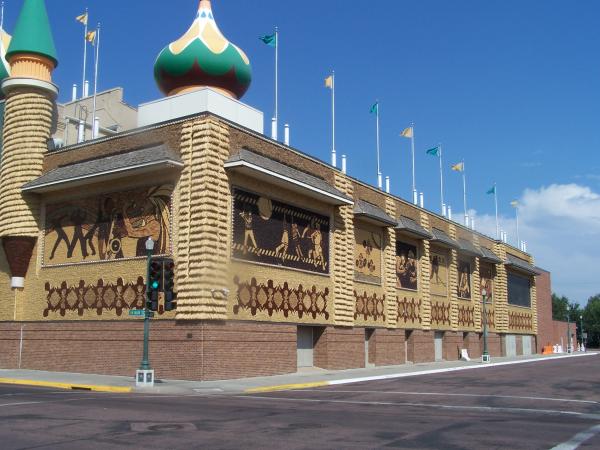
(110,226)
(367,256)
(407,273)
(439,274)
(464,279)
(270,232)
(487,281)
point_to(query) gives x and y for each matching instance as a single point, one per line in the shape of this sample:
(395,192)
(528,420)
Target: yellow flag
(91,37)
(458,167)
(514,204)
(407,133)
(82,18)
(329,82)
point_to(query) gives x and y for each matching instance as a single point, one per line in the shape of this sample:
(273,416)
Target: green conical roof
(32,33)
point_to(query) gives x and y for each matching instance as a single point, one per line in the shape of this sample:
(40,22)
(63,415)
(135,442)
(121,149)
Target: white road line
(19,404)
(444,394)
(452,369)
(578,439)
(433,405)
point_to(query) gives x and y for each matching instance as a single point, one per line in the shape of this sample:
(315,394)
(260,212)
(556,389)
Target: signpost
(136,312)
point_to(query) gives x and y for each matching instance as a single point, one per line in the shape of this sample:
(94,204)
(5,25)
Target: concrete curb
(70,386)
(298,386)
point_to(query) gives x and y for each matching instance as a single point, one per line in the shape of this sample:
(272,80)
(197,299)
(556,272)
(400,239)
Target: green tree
(560,306)
(591,321)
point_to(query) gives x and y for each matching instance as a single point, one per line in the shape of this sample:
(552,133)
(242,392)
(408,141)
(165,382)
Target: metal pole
(412,147)
(333,154)
(496,204)
(85,32)
(277,79)
(94,131)
(518,237)
(465,193)
(441,181)
(568,331)
(581,322)
(145,365)
(379,180)
(485,348)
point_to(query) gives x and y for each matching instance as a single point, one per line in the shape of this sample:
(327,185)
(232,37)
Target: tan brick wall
(389,267)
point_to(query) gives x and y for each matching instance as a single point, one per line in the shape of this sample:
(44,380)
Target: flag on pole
(514,204)
(460,167)
(329,82)
(270,39)
(435,151)
(91,37)
(82,18)
(407,133)
(492,191)
(375,108)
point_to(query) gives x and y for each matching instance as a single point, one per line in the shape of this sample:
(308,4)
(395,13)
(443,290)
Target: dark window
(519,290)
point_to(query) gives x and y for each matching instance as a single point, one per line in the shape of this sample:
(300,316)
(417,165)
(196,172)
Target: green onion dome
(203,57)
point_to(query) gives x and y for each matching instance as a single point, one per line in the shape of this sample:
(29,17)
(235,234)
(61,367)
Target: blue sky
(511,87)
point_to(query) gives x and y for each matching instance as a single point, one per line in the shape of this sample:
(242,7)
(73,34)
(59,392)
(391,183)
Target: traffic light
(155,281)
(169,284)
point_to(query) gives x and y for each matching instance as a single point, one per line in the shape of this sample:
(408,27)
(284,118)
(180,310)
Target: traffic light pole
(145,365)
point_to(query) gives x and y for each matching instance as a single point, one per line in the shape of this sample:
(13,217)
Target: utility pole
(145,374)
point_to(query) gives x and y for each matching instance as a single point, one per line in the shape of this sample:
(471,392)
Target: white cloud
(561,224)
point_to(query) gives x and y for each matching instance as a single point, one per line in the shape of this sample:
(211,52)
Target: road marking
(287,387)
(392,376)
(442,394)
(578,439)
(433,405)
(86,387)
(19,404)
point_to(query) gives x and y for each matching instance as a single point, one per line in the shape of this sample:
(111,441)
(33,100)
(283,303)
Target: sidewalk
(303,379)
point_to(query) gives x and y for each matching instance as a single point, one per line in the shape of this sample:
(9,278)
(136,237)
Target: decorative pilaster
(501,291)
(453,281)
(534,310)
(390,267)
(476,294)
(204,222)
(343,257)
(425,271)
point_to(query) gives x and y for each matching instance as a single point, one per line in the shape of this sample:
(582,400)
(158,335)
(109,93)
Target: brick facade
(420,346)
(340,348)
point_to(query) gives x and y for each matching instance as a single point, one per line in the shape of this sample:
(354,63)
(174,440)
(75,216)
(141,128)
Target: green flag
(270,39)
(375,108)
(492,190)
(435,151)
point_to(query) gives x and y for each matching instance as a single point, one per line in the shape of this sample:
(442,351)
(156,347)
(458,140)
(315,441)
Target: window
(519,290)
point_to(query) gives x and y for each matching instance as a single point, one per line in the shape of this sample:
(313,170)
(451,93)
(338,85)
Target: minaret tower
(28,122)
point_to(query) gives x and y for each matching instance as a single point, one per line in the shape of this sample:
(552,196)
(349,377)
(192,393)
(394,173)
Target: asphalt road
(525,406)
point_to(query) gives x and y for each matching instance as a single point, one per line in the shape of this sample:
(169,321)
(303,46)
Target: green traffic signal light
(155,284)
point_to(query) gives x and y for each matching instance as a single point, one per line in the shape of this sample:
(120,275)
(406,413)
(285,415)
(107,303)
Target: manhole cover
(162,427)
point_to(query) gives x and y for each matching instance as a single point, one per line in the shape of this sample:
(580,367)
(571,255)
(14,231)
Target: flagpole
(94,130)
(441,181)
(2,18)
(85,31)
(465,193)
(276,82)
(379,180)
(333,154)
(412,145)
(518,237)
(496,204)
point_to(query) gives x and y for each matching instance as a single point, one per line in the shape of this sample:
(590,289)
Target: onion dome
(4,66)
(32,33)
(203,57)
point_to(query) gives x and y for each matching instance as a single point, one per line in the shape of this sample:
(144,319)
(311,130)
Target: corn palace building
(282,261)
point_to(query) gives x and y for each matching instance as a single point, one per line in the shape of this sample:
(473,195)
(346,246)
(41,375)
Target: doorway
(439,345)
(305,347)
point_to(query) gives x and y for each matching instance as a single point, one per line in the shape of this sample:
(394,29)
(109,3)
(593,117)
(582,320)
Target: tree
(560,306)
(591,321)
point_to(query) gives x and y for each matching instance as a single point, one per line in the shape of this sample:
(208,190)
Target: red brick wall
(494,345)
(473,343)
(188,351)
(544,310)
(453,342)
(340,348)
(559,333)
(421,347)
(388,347)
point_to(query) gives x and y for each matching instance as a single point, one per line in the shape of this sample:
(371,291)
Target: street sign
(136,312)
(585,335)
